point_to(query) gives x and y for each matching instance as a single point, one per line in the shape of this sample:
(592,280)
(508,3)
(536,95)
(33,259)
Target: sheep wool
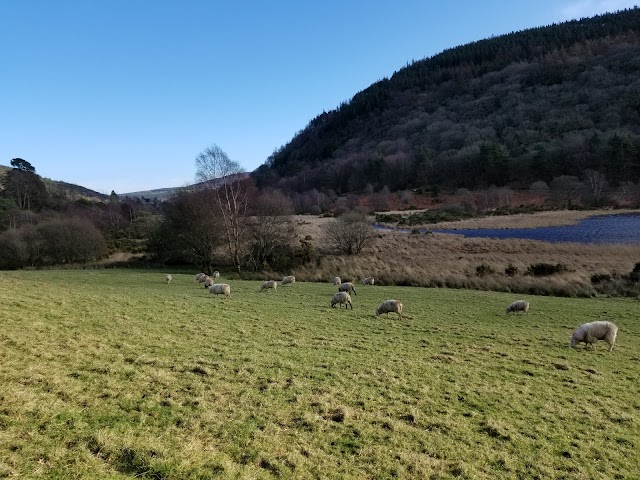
(390,306)
(289,280)
(269,284)
(518,306)
(342,298)
(220,289)
(590,333)
(347,287)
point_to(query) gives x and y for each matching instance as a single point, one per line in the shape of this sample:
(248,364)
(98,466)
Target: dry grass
(439,260)
(532,220)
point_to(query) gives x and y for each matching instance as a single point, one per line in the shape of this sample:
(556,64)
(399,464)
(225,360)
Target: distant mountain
(164,194)
(509,110)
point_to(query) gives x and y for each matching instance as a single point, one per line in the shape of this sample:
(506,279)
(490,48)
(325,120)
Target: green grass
(114,374)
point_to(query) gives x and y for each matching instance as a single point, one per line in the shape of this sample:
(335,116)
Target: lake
(623,228)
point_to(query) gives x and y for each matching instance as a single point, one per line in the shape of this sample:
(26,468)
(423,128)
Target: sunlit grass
(114,374)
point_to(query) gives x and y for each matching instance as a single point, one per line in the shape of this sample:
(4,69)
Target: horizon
(123,97)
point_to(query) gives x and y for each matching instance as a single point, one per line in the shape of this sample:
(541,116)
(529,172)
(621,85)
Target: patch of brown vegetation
(553,218)
(444,260)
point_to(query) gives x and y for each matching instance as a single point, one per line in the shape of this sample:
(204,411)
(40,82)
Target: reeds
(440,260)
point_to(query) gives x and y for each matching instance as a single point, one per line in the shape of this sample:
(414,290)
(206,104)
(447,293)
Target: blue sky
(122,95)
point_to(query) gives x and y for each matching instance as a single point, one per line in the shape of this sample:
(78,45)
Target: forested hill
(509,110)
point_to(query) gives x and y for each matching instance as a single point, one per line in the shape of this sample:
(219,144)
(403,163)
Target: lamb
(216,275)
(590,333)
(347,287)
(390,306)
(290,279)
(518,305)
(269,284)
(220,289)
(337,281)
(368,281)
(199,276)
(168,278)
(342,298)
(208,282)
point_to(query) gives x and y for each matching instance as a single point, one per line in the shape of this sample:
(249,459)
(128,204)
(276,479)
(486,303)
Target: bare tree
(350,233)
(565,189)
(270,228)
(217,172)
(595,184)
(540,189)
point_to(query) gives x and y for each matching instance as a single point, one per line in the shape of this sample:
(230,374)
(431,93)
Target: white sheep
(590,333)
(518,306)
(342,298)
(269,284)
(337,281)
(289,279)
(368,281)
(199,276)
(203,278)
(220,289)
(215,275)
(208,282)
(390,306)
(168,278)
(347,287)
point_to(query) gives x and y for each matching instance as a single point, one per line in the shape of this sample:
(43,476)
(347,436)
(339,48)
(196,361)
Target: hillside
(62,189)
(509,110)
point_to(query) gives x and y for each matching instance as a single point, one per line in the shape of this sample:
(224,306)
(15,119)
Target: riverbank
(553,218)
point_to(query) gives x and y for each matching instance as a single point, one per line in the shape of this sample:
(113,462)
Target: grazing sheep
(517,306)
(590,333)
(220,289)
(342,298)
(168,278)
(368,281)
(216,275)
(203,278)
(199,276)
(390,306)
(337,281)
(269,284)
(290,279)
(347,287)
(208,282)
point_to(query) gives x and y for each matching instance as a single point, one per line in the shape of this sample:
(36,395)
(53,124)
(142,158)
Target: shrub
(511,270)
(484,269)
(545,269)
(634,275)
(600,277)
(71,240)
(13,250)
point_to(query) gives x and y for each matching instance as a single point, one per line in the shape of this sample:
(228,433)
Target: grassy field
(114,374)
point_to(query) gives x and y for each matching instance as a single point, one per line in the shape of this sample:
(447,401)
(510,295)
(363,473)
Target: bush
(634,275)
(600,277)
(484,269)
(13,250)
(545,269)
(71,240)
(511,270)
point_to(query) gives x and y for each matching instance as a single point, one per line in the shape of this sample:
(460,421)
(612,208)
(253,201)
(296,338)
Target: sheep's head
(575,339)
